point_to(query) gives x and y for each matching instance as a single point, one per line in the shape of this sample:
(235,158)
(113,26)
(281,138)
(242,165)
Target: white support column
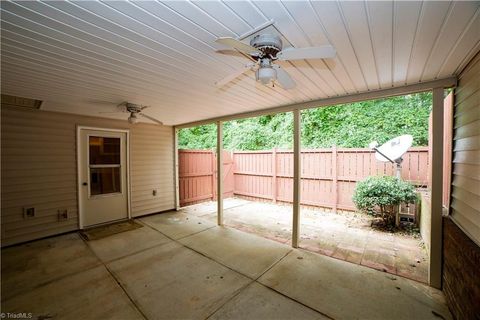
(176,174)
(436,171)
(296,178)
(219,173)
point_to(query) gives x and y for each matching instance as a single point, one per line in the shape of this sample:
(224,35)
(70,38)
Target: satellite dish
(393,150)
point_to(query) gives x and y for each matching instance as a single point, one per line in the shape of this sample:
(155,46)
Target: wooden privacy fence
(328,175)
(197,171)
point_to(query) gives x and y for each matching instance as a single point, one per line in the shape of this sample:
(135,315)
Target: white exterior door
(103,187)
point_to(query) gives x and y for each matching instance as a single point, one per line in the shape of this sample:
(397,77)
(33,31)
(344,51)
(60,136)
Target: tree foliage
(352,125)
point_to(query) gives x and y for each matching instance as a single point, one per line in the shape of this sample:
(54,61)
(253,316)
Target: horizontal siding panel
(39,186)
(149,209)
(468,89)
(466,197)
(467,79)
(22,180)
(39,152)
(467,144)
(469,130)
(38,234)
(467,170)
(35,123)
(472,230)
(468,157)
(27,136)
(40,214)
(30,200)
(13,128)
(42,207)
(150,186)
(468,104)
(466,117)
(39,169)
(467,183)
(465,204)
(147,196)
(471,69)
(467,211)
(44,219)
(25,231)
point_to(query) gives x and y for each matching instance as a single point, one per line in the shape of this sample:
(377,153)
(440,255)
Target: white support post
(219,173)
(436,171)
(176,173)
(296,178)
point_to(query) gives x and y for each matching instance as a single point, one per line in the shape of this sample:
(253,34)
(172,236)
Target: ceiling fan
(135,111)
(265,49)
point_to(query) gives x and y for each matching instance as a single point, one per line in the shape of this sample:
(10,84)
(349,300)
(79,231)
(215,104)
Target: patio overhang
(449,82)
(164,54)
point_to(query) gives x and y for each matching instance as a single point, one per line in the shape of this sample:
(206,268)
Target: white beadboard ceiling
(84,57)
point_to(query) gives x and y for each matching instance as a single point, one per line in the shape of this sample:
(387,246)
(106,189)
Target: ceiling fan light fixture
(266,75)
(133,118)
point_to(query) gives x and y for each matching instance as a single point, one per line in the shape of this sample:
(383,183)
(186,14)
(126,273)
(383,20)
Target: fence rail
(328,175)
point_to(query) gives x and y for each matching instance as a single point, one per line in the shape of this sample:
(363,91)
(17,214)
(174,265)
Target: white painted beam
(436,171)
(296,177)
(219,173)
(363,96)
(176,173)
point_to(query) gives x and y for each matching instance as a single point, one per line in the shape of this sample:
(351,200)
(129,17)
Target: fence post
(335,178)
(274,175)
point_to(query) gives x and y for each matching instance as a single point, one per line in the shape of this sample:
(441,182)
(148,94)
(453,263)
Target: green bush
(382,195)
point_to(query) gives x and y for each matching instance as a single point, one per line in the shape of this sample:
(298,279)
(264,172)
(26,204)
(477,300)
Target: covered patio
(200,271)
(94,94)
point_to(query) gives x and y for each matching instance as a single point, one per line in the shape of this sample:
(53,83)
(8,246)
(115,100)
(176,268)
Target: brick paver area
(345,236)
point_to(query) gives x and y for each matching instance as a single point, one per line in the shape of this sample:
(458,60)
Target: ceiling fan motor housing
(269,44)
(131,107)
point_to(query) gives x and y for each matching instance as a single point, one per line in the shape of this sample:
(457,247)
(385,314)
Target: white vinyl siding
(38,169)
(465,205)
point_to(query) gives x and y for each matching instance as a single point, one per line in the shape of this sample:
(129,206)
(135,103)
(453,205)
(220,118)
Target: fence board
(328,175)
(197,176)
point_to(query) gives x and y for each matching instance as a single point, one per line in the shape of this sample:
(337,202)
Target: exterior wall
(465,204)
(461,232)
(38,169)
(461,274)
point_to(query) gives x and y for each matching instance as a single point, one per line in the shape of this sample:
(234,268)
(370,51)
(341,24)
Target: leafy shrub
(382,195)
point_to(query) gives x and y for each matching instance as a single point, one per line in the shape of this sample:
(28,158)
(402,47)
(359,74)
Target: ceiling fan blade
(240,46)
(111,112)
(284,78)
(151,118)
(234,75)
(231,52)
(323,52)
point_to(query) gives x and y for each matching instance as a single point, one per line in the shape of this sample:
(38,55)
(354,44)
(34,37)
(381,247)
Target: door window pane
(104,150)
(104,180)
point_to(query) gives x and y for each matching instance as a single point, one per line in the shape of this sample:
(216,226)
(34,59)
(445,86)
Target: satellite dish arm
(376,149)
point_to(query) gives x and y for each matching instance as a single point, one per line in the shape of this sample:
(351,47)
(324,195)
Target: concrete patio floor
(181,267)
(345,236)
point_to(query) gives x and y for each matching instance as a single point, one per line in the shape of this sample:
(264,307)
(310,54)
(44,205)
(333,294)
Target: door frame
(127,151)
